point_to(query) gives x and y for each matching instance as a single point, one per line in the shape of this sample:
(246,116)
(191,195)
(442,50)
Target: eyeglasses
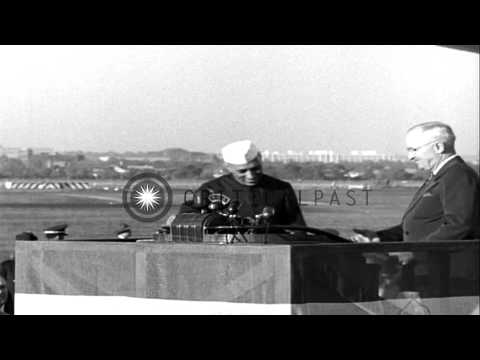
(419,147)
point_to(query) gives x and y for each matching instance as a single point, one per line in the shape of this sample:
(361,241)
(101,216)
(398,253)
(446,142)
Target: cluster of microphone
(210,203)
(222,205)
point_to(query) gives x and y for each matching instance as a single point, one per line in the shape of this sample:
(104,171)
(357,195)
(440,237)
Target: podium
(84,277)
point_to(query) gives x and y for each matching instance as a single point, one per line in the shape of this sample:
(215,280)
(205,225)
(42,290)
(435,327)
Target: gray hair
(438,131)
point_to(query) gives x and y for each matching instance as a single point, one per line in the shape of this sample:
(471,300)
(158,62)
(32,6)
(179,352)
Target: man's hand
(403,257)
(364,236)
(357,238)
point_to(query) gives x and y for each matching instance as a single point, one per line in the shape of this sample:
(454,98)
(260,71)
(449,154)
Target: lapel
(418,196)
(430,184)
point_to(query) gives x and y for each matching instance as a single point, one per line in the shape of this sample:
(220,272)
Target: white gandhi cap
(239,152)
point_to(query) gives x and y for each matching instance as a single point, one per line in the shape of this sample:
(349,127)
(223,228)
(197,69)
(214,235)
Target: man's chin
(422,166)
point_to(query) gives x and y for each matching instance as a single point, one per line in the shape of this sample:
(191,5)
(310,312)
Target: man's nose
(250,174)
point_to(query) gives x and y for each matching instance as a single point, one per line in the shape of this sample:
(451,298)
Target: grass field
(98,214)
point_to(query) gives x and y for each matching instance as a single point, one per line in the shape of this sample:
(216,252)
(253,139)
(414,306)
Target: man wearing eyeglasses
(447,205)
(254,190)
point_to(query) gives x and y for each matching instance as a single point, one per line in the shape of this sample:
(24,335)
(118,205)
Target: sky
(198,97)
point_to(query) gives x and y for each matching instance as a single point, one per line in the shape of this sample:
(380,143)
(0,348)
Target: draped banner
(73,277)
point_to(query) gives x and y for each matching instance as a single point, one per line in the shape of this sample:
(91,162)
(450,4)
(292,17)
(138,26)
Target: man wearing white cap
(254,190)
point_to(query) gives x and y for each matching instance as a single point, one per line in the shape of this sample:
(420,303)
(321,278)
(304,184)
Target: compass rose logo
(147,197)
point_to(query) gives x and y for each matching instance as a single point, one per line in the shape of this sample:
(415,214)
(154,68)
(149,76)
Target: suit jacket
(268,192)
(445,208)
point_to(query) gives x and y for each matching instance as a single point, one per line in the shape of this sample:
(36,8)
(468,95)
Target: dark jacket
(7,271)
(446,208)
(268,192)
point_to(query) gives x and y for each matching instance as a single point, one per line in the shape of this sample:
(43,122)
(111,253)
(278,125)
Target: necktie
(425,183)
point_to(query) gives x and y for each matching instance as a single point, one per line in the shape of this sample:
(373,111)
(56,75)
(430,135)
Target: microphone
(268,212)
(218,202)
(200,199)
(214,206)
(233,207)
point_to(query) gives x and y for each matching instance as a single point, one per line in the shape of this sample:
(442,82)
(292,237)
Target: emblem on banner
(147,197)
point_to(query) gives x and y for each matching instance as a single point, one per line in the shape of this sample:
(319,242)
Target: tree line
(116,168)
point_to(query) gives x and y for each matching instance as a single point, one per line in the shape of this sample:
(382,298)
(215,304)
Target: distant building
(24,154)
(146,158)
(327,156)
(51,163)
(363,155)
(140,167)
(14,153)
(42,151)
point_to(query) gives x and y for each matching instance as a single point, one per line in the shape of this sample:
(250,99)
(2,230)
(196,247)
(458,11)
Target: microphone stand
(267,228)
(233,221)
(267,213)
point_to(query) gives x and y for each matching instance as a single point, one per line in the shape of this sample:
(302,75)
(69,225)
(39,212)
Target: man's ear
(439,148)
(227,168)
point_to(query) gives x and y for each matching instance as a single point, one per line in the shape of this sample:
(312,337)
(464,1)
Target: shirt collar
(442,164)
